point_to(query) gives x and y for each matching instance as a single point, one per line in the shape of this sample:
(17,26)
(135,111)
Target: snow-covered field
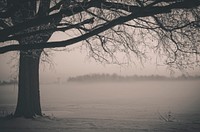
(111,107)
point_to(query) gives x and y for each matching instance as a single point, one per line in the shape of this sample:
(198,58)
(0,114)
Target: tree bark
(28,103)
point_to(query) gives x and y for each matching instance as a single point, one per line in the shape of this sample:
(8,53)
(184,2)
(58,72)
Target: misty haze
(99,65)
(121,105)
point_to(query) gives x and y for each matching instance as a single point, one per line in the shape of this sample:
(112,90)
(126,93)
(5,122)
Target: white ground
(94,125)
(119,107)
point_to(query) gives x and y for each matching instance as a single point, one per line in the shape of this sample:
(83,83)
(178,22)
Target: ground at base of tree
(48,124)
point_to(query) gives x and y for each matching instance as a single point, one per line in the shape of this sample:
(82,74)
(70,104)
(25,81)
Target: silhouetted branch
(104,27)
(106,5)
(108,33)
(53,29)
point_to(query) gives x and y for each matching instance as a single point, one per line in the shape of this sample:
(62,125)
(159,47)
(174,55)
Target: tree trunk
(28,104)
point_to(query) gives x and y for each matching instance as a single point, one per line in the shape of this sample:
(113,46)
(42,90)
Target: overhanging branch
(19,36)
(136,13)
(98,4)
(42,20)
(96,31)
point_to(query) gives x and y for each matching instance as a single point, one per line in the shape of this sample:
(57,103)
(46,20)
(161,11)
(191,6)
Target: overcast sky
(76,62)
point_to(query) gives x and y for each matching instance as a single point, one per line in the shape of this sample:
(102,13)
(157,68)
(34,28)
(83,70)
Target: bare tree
(105,27)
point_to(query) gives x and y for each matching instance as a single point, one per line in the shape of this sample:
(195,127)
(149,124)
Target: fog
(67,64)
(136,100)
(74,60)
(145,100)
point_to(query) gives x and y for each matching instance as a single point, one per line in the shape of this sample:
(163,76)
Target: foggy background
(122,104)
(75,61)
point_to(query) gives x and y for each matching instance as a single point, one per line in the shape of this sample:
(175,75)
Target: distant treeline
(115,77)
(8,82)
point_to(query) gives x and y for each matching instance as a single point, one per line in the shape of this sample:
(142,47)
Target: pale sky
(73,63)
(76,62)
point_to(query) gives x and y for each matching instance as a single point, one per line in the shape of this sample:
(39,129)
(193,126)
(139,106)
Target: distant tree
(106,27)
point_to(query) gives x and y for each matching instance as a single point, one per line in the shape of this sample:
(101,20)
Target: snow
(94,125)
(121,107)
